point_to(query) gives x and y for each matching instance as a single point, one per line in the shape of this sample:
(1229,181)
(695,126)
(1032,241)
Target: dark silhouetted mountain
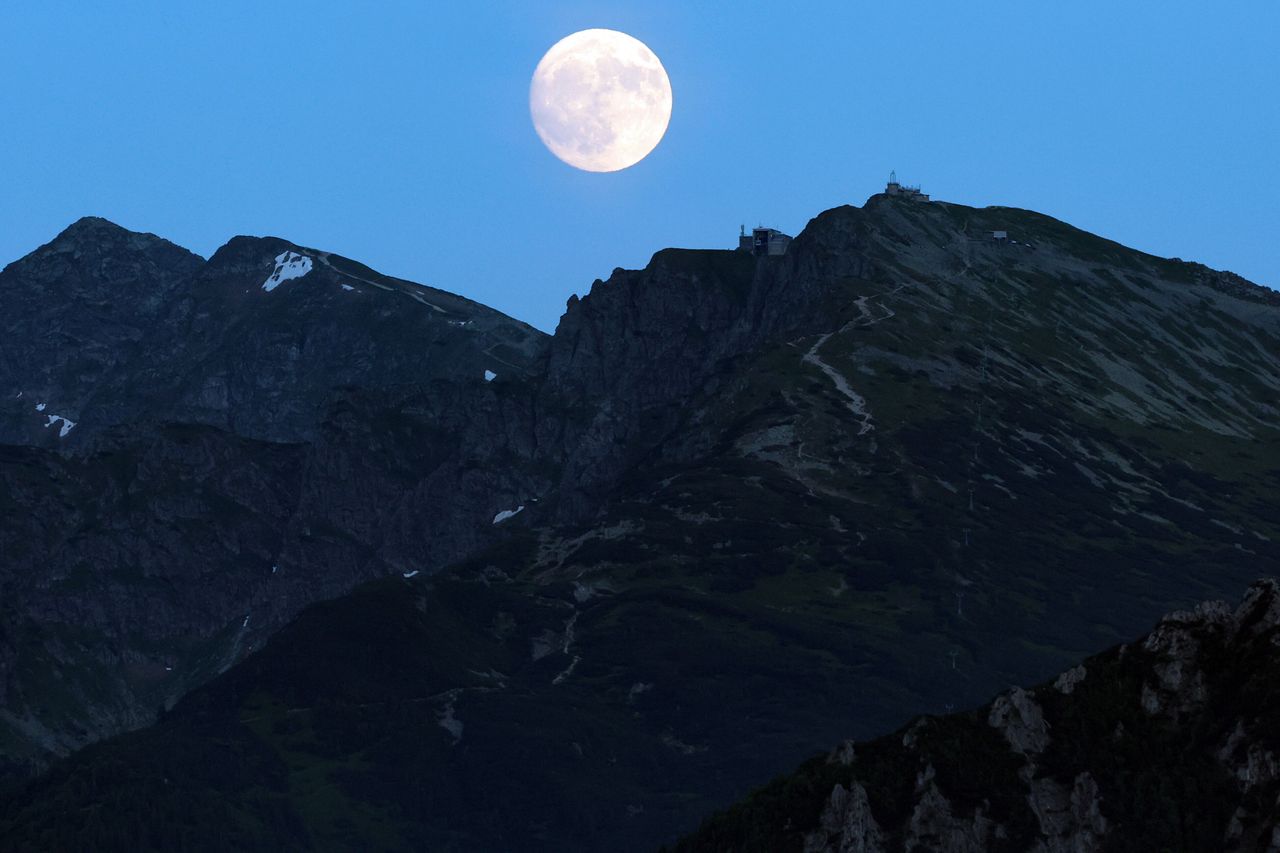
(1168,743)
(197,450)
(111,327)
(735,510)
(75,312)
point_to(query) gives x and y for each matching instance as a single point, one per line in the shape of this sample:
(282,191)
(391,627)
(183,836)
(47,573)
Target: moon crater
(600,100)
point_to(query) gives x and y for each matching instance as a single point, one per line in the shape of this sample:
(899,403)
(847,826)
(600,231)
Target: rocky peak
(342,424)
(640,344)
(89,230)
(76,310)
(249,256)
(95,251)
(104,326)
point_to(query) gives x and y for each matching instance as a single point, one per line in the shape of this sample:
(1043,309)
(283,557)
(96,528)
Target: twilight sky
(398,133)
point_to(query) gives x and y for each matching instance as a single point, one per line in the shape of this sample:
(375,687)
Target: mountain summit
(735,510)
(111,327)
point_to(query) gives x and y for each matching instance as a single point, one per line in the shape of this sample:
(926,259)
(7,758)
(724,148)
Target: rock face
(75,312)
(197,450)
(735,509)
(255,341)
(624,360)
(1100,766)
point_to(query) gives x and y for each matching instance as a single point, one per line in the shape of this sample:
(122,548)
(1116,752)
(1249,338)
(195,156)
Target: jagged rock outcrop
(846,824)
(1101,766)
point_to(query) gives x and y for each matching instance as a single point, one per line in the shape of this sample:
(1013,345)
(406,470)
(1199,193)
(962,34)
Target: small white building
(999,236)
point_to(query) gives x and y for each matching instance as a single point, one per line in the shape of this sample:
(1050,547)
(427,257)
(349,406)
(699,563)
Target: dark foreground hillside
(1168,743)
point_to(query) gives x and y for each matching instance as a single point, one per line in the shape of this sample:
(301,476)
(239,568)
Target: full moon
(600,100)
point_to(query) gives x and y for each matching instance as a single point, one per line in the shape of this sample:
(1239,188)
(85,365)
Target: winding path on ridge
(865,318)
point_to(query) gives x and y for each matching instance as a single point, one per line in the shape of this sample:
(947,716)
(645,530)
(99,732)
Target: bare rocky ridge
(237,344)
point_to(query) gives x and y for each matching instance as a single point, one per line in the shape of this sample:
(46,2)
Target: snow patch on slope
(446,719)
(288,265)
(506,513)
(67,424)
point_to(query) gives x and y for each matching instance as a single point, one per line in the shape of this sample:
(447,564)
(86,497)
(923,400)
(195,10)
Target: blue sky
(398,133)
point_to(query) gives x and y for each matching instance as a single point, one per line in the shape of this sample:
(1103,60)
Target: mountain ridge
(135,468)
(809,462)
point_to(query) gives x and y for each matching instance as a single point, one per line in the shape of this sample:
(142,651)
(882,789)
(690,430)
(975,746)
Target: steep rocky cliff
(738,509)
(1168,743)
